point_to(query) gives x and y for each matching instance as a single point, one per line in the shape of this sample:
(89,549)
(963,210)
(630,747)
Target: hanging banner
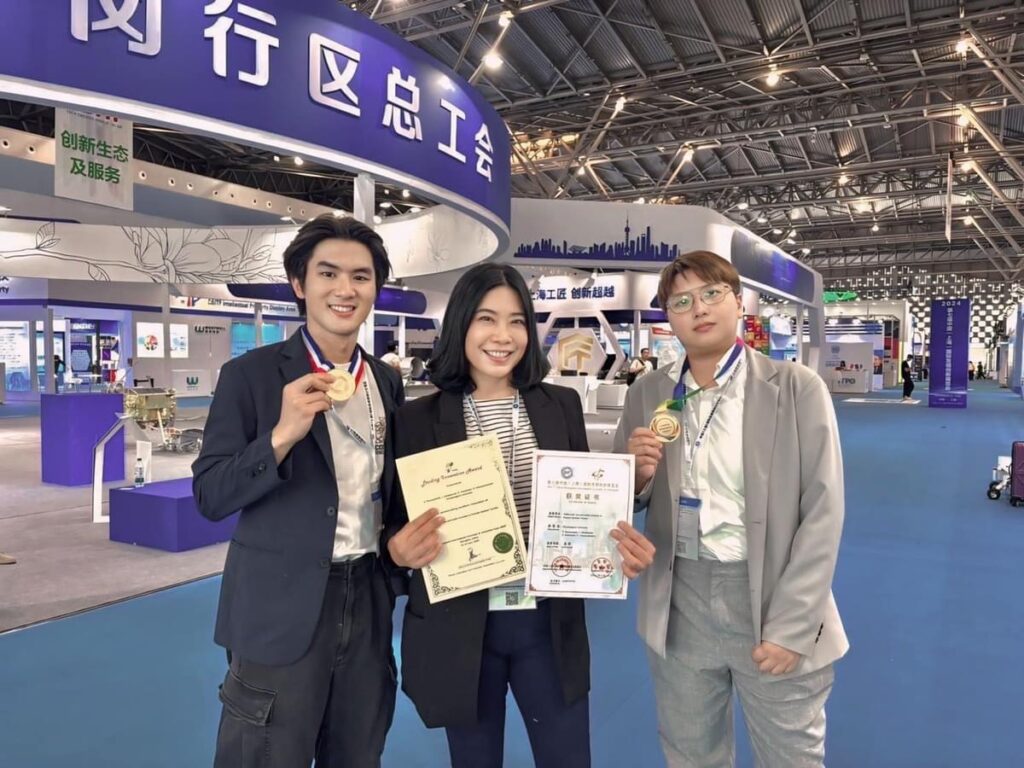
(948,353)
(93,159)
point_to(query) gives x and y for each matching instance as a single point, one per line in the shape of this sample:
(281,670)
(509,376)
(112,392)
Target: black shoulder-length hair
(448,368)
(327,226)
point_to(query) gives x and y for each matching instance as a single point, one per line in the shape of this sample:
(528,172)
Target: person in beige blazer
(745,510)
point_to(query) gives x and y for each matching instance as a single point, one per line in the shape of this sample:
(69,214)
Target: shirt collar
(691,383)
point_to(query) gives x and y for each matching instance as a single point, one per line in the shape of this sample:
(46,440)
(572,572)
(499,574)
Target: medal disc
(343,387)
(665,426)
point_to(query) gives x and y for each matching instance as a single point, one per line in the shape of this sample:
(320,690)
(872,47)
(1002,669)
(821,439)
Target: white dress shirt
(357,471)
(717,477)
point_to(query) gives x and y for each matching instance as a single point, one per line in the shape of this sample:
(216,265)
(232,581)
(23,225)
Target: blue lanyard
(679,393)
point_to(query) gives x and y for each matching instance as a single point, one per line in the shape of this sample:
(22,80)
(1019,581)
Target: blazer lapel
(546,419)
(760,410)
(672,461)
(451,424)
(294,365)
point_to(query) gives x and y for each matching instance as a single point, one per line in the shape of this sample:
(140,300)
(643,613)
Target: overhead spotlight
(874,227)
(620,104)
(792,233)
(190,186)
(791,241)
(743,205)
(969,221)
(385,204)
(581,170)
(505,19)
(961,46)
(406,194)
(492,60)
(776,231)
(415,209)
(277,158)
(962,120)
(772,79)
(843,179)
(805,251)
(377,219)
(966,166)
(762,220)
(299,160)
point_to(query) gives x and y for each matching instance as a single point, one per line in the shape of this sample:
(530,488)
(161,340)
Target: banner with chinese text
(948,353)
(93,159)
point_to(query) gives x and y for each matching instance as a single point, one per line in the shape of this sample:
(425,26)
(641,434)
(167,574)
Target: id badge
(688,529)
(510,597)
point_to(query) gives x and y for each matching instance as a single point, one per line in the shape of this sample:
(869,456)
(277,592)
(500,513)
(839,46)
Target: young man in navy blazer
(299,439)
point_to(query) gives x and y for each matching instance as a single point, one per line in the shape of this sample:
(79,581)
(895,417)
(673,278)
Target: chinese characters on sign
(559,294)
(93,158)
(243,39)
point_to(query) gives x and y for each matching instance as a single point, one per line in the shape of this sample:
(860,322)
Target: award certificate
(578,498)
(483,542)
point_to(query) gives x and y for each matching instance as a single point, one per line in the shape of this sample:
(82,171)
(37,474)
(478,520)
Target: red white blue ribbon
(321,364)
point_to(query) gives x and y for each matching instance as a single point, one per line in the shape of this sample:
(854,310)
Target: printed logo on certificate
(483,541)
(578,499)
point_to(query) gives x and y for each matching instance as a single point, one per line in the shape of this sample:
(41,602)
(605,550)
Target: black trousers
(518,654)
(908,387)
(335,704)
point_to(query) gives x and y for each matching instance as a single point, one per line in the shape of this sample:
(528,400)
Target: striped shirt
(496,416)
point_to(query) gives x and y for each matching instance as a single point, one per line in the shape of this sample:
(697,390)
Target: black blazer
(442,644)
(280,555)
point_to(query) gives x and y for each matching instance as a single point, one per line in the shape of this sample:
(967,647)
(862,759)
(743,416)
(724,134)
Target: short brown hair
(705,264)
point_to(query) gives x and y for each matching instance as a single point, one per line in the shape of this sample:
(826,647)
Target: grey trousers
(710,638)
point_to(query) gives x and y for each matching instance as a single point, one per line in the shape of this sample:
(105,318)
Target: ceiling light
(415,209)
(961,46)
(862,207)
(843,179)
(405,287)
(805,251)
(505,19)
(962,120)
(640,201)
(581,170)
(776,231)
(190,186)
(687,156)
(966,165)
(492,60)
(385,204)
(298,160)
(277,158)
(406,194)
(620,104)
(743,206)
(792,233)
(791,241)
(377,219)
(969,221)
(772,79)
(874,227)
(762,220)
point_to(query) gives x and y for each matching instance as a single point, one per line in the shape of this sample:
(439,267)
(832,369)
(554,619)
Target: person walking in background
(391,357)
(970,371)
(743,485)
(907,371)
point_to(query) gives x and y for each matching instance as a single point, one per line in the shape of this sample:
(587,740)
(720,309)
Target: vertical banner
(949,198)
(93,160)
(948,352)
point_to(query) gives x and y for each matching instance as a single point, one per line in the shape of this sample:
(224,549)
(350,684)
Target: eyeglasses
(681,303)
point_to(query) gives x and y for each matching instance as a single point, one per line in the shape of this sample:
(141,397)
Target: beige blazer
(793,481)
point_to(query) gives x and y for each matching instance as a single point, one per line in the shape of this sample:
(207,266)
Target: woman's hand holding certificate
(480,542)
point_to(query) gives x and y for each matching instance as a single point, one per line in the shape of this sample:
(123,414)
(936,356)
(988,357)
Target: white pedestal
(611,395)
(585,386)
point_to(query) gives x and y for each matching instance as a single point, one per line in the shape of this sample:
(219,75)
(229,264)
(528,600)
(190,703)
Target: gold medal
(343,386)
(665,426)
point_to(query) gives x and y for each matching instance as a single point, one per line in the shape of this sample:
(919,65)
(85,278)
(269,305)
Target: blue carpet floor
(928,584)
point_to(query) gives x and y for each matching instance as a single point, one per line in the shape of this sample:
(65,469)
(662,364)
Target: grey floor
(66,563)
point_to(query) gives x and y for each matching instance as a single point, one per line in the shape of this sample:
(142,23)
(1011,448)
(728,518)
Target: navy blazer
(280,555)
(442,644)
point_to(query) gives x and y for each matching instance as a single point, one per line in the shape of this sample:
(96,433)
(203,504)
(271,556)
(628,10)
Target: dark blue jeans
(518,654)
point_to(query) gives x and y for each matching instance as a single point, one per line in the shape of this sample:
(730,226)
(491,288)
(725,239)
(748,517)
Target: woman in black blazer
(460,657)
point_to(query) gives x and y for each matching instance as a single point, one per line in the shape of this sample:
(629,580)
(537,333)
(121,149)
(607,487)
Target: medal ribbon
(680,395)
(320,364)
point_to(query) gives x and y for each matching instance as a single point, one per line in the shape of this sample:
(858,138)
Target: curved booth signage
(300,77)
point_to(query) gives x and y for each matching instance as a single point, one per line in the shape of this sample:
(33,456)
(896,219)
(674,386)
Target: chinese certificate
(578,498)
(483,542)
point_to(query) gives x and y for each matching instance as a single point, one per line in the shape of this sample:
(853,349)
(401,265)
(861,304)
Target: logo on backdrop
(209,329)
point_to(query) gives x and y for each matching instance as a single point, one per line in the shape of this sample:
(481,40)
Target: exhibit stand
(164,515)
(71,425)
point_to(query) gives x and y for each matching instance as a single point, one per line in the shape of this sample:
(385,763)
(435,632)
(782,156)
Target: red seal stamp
(602,568)
(561,566)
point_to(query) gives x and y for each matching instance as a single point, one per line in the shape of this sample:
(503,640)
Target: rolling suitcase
(1017,474)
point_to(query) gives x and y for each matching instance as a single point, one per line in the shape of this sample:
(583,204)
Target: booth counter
(850,382)
(585,386)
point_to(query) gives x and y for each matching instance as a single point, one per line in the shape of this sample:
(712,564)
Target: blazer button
(261,467)
(331,512)
(325,563)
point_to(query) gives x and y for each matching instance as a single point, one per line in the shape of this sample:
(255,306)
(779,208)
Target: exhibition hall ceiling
(826,126)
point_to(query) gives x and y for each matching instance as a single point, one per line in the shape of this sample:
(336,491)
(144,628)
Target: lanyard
(511,465)
(734,362)
(356,367)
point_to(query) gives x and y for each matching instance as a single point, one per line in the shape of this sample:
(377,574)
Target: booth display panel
(71,425)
